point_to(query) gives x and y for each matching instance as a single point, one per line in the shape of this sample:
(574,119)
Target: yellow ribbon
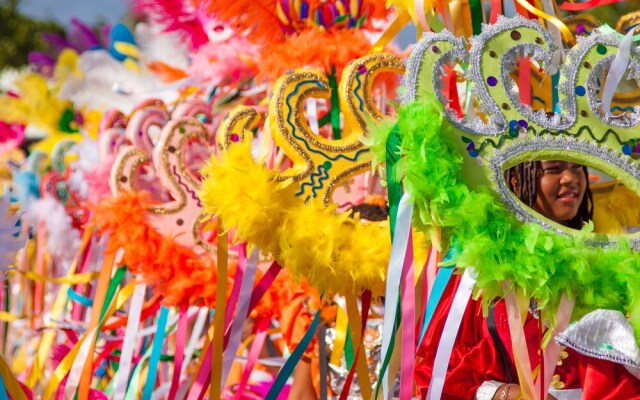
(564,30)
(56,311)
(9,317)
(219,316)
(392,31)
(342,322)
(10,382)
(83,277)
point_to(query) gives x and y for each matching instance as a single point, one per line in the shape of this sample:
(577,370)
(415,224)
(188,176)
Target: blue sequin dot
(492,81)
(581,91)
(626,149)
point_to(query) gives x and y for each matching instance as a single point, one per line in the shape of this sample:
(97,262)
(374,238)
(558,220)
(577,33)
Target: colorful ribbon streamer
(292,361)
(158,341)
(394,272)
(129,342)
(571,6)
(450,333)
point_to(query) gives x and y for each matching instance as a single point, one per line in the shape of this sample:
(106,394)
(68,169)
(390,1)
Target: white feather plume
(107,83)
(62,238)
(88,159)
(157,45)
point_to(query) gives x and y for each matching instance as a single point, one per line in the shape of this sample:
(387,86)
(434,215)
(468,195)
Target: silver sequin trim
(562,143)
(606,335)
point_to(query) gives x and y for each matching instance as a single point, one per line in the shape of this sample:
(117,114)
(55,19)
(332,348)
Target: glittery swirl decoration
(320,165)
(238,126)
(177,214)
(504,132)
(312,168)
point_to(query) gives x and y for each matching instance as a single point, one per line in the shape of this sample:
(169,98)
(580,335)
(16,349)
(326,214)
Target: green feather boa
(539,263)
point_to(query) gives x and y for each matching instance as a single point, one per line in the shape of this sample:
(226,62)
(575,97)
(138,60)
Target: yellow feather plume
(335,253)
(37,105)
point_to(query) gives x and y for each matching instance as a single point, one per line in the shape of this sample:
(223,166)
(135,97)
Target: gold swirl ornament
(319,165)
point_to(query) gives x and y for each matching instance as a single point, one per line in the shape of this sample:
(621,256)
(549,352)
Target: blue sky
(88,11)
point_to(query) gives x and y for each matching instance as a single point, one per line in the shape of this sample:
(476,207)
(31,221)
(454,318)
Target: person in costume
(482,363)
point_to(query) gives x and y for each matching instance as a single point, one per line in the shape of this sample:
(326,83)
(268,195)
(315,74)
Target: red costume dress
(475,359)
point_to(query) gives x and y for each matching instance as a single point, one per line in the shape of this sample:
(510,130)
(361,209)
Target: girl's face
(562,188)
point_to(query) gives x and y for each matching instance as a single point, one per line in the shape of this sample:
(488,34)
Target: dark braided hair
(527,182)
(370,212)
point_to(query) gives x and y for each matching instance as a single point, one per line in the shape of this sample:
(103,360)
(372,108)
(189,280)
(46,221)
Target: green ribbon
(475,7)
(348,350)
(606,29)
(335,105)
(111,290)
(394,188)
(394,191)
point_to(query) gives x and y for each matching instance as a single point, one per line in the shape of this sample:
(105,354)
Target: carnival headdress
(506,132)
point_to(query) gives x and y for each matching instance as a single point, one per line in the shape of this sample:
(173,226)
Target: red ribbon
(586,5)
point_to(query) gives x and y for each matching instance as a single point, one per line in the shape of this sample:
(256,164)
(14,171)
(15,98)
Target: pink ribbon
(419,8)
(77,309)
(551,353)
(408,323)
(242,312)
(235,291)
(519,343)
(203,377)
(181,338)
(254,352)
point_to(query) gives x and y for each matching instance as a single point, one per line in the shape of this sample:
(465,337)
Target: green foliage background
(20,34)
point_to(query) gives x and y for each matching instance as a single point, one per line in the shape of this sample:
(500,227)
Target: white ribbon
(560,54)
(618,67)
(450,333)
(312,115)
(394,272)
(76,369)
(129,341)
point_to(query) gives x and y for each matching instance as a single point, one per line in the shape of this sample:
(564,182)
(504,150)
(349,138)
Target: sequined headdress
(501,131)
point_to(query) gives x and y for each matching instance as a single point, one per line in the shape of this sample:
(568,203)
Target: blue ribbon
(78,298)
(3,391)
(292,361)
(440,283)
(158,340)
